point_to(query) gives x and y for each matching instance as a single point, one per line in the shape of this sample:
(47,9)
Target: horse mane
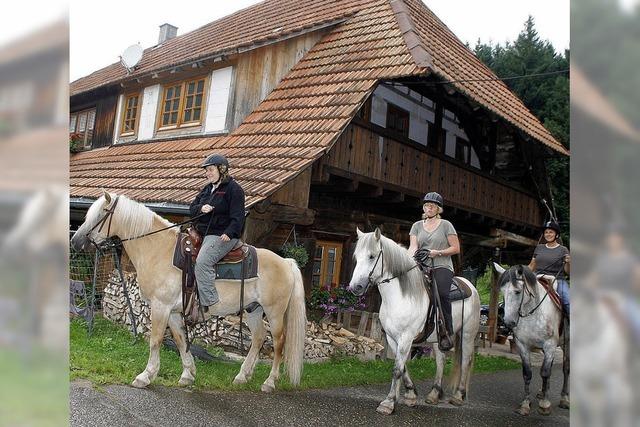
(398,263)
(529,277)
(136,218)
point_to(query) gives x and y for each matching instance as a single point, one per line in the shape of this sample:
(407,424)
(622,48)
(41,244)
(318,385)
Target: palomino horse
(382,262)
(535,322)
(278,290)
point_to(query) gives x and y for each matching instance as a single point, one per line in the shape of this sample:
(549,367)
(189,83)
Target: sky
(98,37)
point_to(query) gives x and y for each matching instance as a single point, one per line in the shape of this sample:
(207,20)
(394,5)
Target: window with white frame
(81,127)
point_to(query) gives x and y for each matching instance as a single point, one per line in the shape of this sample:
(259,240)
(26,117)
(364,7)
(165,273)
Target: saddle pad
(233,270)
(547,283)
(459,290)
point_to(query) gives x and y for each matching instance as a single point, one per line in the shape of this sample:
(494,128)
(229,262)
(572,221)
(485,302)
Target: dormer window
(182,104)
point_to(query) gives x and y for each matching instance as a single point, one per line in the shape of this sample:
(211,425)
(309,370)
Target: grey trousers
(212,250)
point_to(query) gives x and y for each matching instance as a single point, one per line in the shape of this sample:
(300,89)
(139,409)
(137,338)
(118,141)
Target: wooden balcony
(402,168)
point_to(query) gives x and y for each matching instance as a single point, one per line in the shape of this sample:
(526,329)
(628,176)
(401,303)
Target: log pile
(323,339)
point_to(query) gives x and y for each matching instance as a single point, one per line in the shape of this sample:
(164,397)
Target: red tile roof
(453,61)
(264,22)
(305,114)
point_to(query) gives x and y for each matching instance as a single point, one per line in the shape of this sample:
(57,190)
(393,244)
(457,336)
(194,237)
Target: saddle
(459,290)
(240,263)
(547,283)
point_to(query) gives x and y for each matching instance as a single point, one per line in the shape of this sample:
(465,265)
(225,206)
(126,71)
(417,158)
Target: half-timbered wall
(421,116)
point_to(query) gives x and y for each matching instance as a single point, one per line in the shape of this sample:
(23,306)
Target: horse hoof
(185,381)
(544,407)
(524,409)
(267,388)
(240,379)
(385,408)
(456,401)
(410,401)
(564,403)
(139,383)
(432,398)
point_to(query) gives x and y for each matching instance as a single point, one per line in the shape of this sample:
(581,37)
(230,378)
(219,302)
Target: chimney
(167,31)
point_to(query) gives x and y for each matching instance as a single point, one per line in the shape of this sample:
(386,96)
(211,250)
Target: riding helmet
(552,225)
(433,197)
(217,159)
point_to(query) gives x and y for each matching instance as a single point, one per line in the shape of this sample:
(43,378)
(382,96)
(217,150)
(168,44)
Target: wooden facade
(410,170)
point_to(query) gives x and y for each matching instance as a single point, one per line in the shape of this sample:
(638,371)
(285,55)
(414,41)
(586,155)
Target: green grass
(110,357)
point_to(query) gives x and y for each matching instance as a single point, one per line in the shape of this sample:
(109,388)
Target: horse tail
(471,320)
(296,324)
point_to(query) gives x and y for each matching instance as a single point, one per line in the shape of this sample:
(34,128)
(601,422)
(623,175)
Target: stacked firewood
(323,339)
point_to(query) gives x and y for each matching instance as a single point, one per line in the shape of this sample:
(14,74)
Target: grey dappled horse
(535,322)
(383,263)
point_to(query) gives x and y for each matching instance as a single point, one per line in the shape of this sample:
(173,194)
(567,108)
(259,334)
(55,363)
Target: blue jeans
(563,292)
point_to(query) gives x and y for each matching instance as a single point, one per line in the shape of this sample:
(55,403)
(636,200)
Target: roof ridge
(414,42)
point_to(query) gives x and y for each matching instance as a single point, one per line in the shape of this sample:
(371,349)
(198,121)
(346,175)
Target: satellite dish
(131,56)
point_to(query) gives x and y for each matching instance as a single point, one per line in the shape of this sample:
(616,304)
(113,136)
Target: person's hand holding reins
(224,238)
(206,208)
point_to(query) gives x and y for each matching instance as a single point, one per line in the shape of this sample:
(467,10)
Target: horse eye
(370,256)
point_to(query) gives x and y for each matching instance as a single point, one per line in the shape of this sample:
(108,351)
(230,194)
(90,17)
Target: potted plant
(75,140)
(297,252)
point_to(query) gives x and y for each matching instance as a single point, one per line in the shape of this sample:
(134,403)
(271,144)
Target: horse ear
(377,233)
(498,268)
(106,195)
(359,233)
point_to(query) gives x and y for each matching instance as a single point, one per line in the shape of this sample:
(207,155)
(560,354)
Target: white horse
(382,262)
(535,322)
(278,289)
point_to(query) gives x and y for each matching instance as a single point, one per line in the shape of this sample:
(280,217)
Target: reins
(530,293)
(387,280)
(109,215)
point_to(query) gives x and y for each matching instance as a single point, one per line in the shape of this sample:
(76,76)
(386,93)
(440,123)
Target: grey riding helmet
(217,159)
(433,197)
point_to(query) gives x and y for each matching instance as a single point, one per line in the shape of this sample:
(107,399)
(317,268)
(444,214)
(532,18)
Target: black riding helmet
(217,159)
(552,225)
(433,197)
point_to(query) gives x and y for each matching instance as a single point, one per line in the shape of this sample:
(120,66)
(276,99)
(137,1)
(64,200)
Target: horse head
(369,262)
(97,226)
(518,286)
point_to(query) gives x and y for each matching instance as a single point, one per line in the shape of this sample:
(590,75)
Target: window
(326,263)
(462,150)
(130,114)
(81,125)
(398,120)
(182,104)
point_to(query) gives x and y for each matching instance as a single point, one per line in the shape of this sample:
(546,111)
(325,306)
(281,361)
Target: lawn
(110,356)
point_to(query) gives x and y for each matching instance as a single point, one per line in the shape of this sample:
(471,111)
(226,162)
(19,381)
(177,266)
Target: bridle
(110,241)
(102,221)
(379,258)
(526,289)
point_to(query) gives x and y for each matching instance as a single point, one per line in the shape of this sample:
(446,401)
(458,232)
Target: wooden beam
(508,236)
(371,191)
(393,196)
(292,215)
(493,303)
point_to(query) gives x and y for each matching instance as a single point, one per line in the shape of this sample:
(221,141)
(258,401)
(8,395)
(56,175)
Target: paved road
(492,400)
